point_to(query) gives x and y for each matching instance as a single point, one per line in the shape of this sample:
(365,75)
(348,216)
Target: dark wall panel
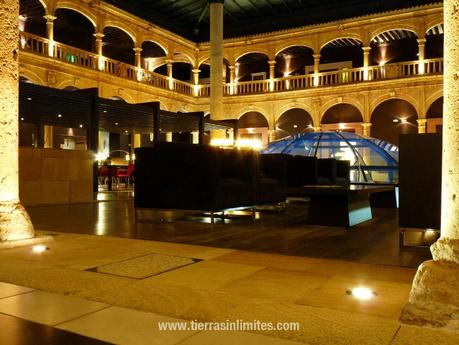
(420,180)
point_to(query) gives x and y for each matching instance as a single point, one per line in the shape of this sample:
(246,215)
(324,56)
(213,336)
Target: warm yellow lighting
(421,67)
(362,293)
(139,74)
(271,85)
(127,157)
(101,63)
(196,90)
(171,83)
(249,143)
(101,156)
(133,156)
(221,142)
(316,80)
(404,121)
(250,130)
(342,126)
(39,248)
(22,21)
(51,48)
(295,126)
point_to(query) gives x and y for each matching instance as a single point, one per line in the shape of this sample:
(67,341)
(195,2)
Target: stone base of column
(434,297)
(15,222)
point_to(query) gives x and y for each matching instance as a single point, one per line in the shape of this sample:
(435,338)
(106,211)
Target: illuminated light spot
(362,293)
(39,248)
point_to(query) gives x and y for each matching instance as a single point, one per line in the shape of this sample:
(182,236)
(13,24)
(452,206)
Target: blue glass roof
(372,160)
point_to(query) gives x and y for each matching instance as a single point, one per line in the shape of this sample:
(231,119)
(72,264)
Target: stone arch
(433,23)
(284,46)
(343,117)
(333,102)
(435,104)
(257,109)
(297,105)
(71,5)
(433,97)
(156,41)
(252,51)
(294,121)
(376,102)
(389,119)
(188,56)
(388,27)
(354,36)
(120,26)
(31,76)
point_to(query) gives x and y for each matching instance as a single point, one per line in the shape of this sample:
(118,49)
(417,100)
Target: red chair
(103,174)
(127,175)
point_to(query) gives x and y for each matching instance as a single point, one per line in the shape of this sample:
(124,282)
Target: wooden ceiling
(190,18)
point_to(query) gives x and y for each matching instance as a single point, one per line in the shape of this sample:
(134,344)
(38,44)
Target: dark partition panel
(420,180)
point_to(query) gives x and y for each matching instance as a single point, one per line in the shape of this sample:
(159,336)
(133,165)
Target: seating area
(171,176)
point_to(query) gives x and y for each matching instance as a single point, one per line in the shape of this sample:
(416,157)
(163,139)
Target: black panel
(420,180)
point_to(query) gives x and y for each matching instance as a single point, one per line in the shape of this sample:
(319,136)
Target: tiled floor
(30,316)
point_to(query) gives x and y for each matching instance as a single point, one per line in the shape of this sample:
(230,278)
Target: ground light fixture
(361,293)
(39,248)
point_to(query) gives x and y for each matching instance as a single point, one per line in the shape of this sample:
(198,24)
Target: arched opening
(293,121)
(394,46)
(31,19)
(392,118)
(296,60)
(252,66)
(434,42)
(118,45)
(151,54)
(180,71)
(74,29)
(253,126)
(341,53)
(434,117)
(342,117)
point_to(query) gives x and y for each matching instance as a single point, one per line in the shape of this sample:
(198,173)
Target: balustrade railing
(42,46)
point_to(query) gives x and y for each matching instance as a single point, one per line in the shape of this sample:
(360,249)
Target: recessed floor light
(39,248)
(362,293)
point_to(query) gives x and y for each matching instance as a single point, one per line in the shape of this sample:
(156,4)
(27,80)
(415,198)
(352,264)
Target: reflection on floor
(286,233)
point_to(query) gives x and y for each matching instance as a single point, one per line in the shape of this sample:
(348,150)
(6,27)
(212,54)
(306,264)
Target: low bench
(337,205)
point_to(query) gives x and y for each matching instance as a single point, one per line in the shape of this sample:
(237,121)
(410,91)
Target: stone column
(195,72)
(271,135)
(317,129)
(216,59)
(366,128)
(169,74)
(15,223)
(316,68)
(422,125)
(434,297)
(421,54)
(99,40)
(366,61)
(232,80)
(138,62)
(50,33)
(272,74)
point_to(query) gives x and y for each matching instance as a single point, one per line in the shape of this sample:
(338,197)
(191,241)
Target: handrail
(42,46)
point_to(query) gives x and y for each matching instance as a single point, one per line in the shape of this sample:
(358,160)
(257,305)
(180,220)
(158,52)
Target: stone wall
(49,176)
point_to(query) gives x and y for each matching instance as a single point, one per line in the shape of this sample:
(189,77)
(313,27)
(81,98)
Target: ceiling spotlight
(29,98)
(39,248)
(404,121)
(59,115)
(116,123)
(395,120)
(295,126)
(361,293)
(105,111)
(81,126)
